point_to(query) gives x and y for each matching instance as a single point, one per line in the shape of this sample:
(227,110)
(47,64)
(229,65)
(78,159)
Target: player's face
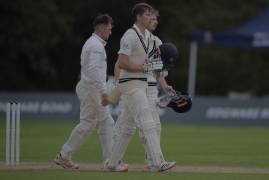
(153,23)
(145,18)
(106,31)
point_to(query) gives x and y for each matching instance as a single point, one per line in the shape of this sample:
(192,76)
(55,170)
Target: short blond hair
(140,8)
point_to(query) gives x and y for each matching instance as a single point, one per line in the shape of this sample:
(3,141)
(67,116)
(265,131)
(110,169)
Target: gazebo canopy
(252,34)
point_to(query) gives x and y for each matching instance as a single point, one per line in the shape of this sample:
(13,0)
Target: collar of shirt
(100,39)
(147,33)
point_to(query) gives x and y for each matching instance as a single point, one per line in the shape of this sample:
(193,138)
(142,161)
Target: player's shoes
(120,167)
(163,167)
(65,163)
(122,163)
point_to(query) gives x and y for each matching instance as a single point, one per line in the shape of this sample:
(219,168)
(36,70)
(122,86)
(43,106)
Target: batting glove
(153,64)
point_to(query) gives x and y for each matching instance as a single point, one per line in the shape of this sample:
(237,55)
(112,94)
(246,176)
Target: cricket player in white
(152,91)
(133,56)
(91,91)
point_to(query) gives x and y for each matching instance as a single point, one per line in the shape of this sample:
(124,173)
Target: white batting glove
(153,64)
(165,99)
(157,63)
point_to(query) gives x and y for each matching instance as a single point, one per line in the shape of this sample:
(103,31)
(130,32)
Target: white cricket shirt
(93,63)
(131,46)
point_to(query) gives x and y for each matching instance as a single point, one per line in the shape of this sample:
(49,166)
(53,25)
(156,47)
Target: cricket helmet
(169,54)
(181,102)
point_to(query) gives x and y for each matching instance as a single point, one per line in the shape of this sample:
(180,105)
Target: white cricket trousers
(136,112)
(92,115)
(152,94)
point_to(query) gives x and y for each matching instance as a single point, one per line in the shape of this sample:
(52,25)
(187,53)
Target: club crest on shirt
(125,46)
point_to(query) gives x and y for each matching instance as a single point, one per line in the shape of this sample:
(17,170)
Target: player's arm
(164,85)
(114,96)
(117,71)
(127,64)
(126,47)
(94,72)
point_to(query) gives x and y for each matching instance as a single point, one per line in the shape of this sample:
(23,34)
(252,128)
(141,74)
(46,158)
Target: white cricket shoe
(65,163)
(120,167)
(123,164)
(163,167)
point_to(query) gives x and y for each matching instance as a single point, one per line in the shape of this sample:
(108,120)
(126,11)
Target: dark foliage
(41,42)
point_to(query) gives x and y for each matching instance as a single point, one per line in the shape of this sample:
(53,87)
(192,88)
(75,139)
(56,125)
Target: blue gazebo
(253,34)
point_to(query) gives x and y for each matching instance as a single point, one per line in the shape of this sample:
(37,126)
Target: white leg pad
(140,109)
(152,144)
(124,130)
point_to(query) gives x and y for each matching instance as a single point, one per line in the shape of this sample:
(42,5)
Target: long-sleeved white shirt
(93,63)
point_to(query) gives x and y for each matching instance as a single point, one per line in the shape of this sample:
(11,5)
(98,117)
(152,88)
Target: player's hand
(114,96)
(104,99)
(152,65)
(146,67)
(169,89)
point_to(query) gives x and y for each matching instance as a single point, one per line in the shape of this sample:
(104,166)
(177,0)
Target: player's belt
(122,80)
(152,83)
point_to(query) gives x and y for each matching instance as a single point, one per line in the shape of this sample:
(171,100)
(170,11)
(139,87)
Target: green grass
(245,146)
(56,175)
(187,144)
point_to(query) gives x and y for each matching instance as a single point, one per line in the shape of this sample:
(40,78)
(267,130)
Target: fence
(209,110)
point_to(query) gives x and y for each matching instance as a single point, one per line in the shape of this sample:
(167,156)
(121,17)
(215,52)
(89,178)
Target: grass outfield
(187,144)
(64,175)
